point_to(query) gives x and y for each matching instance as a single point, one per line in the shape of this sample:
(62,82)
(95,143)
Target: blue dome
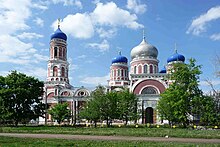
(58,34)
(120,59)
(163,70)
(176,57)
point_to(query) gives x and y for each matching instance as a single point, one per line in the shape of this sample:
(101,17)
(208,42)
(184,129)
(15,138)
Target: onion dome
(120,59)
(58,34)
(144,50)
(176,57)
(163,70)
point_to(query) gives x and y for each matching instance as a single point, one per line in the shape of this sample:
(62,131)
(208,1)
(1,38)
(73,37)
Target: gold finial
(143,35)
(58,22)
(175,48)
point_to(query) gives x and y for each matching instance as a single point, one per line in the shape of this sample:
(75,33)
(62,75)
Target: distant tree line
(20,98)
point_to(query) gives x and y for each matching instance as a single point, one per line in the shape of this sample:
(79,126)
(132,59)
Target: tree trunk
(95,123)
(107,123)
(126,121)
(16,123)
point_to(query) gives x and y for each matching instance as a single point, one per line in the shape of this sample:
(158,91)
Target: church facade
(144,78)
(141,76)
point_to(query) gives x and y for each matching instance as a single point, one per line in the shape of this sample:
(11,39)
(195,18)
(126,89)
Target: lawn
(34,142)
(145,132)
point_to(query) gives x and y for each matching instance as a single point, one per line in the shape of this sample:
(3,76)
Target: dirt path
(125,138)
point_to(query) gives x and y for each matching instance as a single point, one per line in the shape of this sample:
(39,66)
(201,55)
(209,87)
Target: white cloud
(35,71)
(39,21)
(102,47)
(40,57)
(19,52)
(136,6)
(110,14)
(199,24)
(26,35)
(72,67)
(81,57)
(215,37)
(13,15)
(38,72)
(69,3)
(83,25)
(78,25)
(39,6)
(96,80)
(78,4)
(106,33)
(18,47)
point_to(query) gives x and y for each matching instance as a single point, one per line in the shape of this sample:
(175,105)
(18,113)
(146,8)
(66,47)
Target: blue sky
(98,29)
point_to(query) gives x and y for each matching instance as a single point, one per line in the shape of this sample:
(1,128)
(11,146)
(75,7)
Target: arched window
(155,69)
(55,52)
(60,52)
(119,72)
(64,55)
(149,90)
(114,73)
(63,72)
(55,71)
(135,69)
(145,68)
(151,68)
(125,73)
(122,72)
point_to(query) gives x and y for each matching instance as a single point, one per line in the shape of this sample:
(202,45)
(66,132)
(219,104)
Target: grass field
(150,132)
(34,142)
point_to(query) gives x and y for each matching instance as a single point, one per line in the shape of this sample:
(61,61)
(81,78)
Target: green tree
(204,107)
(20,97)
(109,108)
(102,106)
(176,103)
(60,112)
(91,110)
(127,106)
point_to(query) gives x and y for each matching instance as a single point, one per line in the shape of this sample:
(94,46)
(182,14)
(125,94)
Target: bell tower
(58,65)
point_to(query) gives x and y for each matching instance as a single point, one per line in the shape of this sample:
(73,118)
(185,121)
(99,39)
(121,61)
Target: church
(141,76)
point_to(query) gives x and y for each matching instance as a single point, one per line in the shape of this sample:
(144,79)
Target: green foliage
(127,106)
(183,99)
(109,106)
(91,110)
(60,112)
(20,98)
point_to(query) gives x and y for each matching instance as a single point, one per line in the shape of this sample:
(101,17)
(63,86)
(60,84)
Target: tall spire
(143,35)
(58,22)
(119,52)
(175,48)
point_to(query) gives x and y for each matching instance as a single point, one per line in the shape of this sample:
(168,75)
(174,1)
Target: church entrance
(149,115)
